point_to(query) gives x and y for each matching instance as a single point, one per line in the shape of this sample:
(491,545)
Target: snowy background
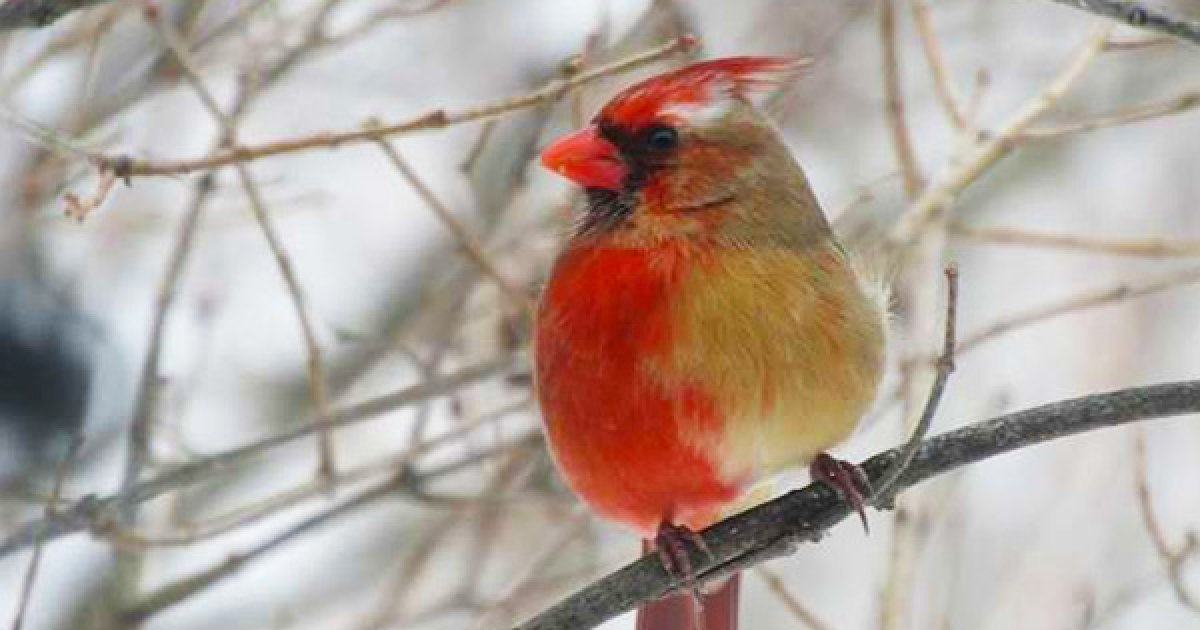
(1053,537)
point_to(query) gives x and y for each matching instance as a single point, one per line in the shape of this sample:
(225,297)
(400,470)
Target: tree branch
(125,167)
(1138,15)
(986,152)
(894,108)
(777,527)
(84,513)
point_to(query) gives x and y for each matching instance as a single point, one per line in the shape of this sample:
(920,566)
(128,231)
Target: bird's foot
(847,479)
(671,543)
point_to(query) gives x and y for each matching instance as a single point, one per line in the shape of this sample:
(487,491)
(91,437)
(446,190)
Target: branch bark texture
(777,527)
(1138,15)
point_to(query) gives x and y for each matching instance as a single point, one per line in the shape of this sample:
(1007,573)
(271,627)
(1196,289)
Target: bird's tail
(718,610)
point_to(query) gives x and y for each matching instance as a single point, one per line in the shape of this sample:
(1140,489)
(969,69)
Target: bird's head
(681,150)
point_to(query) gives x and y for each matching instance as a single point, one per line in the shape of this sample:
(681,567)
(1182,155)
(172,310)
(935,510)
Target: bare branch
(406,481)
(1090,299)
(552,546)
(1178,104)
(1149,247)
(87,511)
(914,181)
(936,198)
(436,119)
(474,249)
(318,388)
(790,601)
(47,138)
(78,208)
(1138,15)
(1174,560)
(943,86)
(777,527)
(184,588)
(257,510)
(945,366)
(51,505)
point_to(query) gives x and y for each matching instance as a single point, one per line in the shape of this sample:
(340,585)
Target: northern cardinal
(702,328)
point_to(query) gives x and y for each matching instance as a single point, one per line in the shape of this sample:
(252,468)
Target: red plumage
(697,84)
(604,315)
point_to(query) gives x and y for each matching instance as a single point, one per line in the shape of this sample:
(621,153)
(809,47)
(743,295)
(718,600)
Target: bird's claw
(847,479)
(671,542)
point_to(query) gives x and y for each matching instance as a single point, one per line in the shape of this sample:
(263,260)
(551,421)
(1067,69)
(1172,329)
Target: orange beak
(588,159)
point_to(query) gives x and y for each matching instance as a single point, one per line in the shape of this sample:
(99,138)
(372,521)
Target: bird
(701,329)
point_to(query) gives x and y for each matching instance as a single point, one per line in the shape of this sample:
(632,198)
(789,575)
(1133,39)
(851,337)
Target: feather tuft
(698,85)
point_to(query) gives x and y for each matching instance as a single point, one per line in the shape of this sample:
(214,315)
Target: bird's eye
(662,138)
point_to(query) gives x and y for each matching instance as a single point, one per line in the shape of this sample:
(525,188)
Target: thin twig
(894,95)
(247,93)
(406,479)
(979,87)
(1179,104)
(1087,300)
(315,365)
(473,248)
(84,513)
(943,86)
(436,119)
(393,602)
(47,138)
(551,547)
(257,81)
(1173,560)
(382,16)
(476,150)
(149,387)
(945,366)
(184,588)
(984,154)
(1137,43)
(85,32)
(1152,248)
(775,528)
(78,209)
(250,513)
(789,599)
(407,11)
(391,609)
(60,475)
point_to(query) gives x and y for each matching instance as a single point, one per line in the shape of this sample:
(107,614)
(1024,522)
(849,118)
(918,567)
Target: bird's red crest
(697,85)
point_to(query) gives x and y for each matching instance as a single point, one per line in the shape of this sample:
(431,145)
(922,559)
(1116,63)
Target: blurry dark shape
(47,351)
(38,13)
